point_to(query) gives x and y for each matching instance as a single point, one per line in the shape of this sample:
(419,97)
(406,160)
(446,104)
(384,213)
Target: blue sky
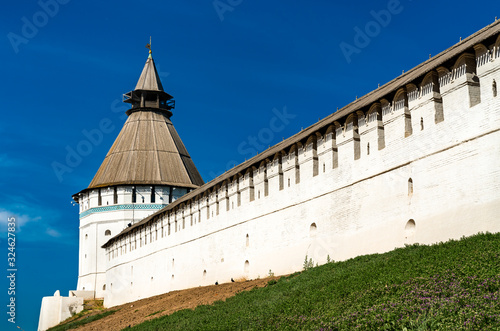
(232,66)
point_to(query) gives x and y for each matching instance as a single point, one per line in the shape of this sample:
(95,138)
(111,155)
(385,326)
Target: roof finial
(148,46)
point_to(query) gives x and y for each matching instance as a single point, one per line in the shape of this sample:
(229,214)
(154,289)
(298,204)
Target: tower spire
(148,46)
(148,92)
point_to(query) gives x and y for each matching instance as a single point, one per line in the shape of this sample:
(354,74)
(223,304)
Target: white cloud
(20,219)
(31,225)
(53,233)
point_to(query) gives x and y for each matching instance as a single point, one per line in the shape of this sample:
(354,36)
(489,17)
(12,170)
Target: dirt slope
(137,312)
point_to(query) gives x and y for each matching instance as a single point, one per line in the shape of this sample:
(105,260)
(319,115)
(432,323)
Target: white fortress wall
(419,164)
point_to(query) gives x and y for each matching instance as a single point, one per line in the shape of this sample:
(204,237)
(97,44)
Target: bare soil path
(134,313)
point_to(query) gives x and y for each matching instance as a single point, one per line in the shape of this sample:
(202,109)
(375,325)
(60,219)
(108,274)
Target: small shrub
(308,264)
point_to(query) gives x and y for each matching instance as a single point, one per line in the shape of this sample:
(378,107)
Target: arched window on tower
(115,195)
(99,197)
(421,123)
(494,88)
(153,193)
(107,233)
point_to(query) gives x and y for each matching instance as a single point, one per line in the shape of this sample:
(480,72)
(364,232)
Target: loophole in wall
(410,228)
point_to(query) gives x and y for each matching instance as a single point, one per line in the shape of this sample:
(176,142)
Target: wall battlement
(409,162)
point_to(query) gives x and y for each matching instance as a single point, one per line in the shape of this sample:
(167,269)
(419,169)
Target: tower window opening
(107,233)
(115,195)
(134,195)
(368,149)
(153,193)
(288,182)
(494,88)
(99,197)
(421,123)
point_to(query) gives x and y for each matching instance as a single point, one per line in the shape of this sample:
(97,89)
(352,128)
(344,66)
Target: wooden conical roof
(148,150)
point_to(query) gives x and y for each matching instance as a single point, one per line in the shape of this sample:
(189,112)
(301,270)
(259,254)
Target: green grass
(156,312)
(81,321)
(449,286)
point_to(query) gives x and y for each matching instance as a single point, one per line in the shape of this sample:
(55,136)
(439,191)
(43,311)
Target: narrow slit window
(153,194)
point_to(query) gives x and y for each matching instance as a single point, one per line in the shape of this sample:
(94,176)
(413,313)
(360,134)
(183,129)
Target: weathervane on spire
(148,46)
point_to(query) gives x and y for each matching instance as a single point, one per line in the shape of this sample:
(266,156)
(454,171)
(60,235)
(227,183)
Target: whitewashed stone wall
(418,166)
(104,217)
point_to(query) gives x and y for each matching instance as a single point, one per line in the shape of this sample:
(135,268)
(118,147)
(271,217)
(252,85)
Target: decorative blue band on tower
(120,207)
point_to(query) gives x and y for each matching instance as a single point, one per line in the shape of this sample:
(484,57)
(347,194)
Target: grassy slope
(453,285)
